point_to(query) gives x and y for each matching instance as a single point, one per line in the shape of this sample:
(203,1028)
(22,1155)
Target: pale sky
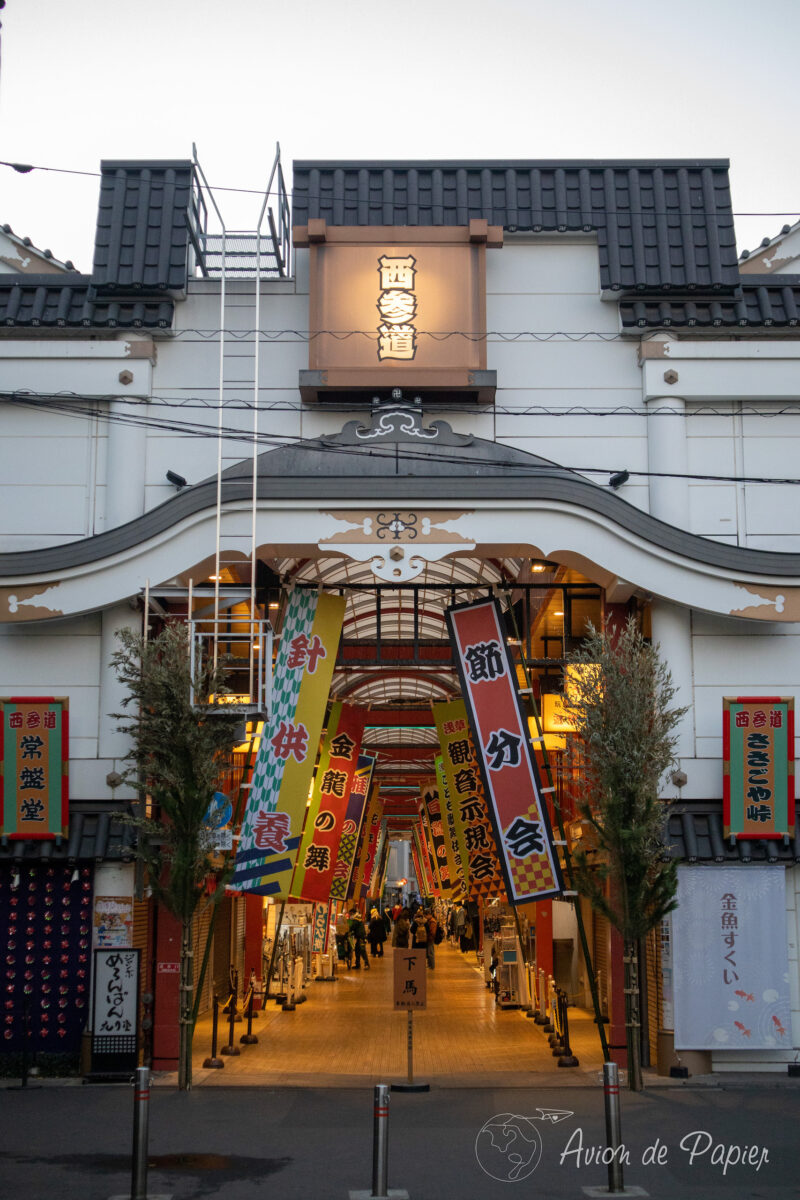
(92,79)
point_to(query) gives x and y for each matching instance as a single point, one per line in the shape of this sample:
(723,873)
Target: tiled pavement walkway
(348,1034)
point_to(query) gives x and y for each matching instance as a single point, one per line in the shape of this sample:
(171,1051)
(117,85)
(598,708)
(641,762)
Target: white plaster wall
(63,658)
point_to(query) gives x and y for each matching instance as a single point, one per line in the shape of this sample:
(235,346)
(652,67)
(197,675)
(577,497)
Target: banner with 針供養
(273,822)
(500,731)
(465,789)
(351,829)
(34,764)
(313,873)
(758,766)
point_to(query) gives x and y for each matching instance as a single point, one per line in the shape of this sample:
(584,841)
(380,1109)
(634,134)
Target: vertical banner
(456,859)
(758,766)
(320,922)
(34,764)
(425,879)
(466,791)
(377,863)
(273,822)
(731,959)
(313,873)
(351,828)
(369,844)
(500,730)
(433,811)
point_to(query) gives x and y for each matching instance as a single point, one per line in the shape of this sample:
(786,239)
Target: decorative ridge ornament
(399,423)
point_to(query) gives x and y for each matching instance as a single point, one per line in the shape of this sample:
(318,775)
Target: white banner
(731,961)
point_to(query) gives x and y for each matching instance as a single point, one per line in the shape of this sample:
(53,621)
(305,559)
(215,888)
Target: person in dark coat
(402,927)
(377,934)
(358,933)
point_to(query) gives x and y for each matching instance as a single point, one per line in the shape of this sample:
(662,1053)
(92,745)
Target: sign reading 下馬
(758,766)
(34,762)
(391,306)
(500,732)
(115,1000)
(410,978)
(276,807)
(731,959)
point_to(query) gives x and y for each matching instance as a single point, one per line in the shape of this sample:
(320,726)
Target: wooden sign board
(410,978)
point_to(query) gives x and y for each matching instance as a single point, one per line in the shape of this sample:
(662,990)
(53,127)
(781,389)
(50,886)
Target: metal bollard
(541,1006)
(213,1061)
(380,1141)
(613,1130)
(141,1111)
(549,1025)
(249,1038)
(230,1050)
(567,1059)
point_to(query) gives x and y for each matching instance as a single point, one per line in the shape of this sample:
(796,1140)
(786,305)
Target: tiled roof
(695,834)
(69,302)
(26,244)
(769,300)
(143,226)
(93,834)
(660,225)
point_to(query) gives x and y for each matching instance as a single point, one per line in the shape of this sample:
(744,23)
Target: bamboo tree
(621,708)
(179,747)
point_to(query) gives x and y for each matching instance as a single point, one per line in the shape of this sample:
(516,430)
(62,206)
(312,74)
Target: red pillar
(253,938)
(166,983)
(616,1006)
(544,935)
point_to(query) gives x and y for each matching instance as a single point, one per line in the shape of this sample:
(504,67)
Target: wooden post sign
(410,979)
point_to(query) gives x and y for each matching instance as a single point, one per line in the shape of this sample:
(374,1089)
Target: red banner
(758,766)
(34,762)
(500,733)
(313,873)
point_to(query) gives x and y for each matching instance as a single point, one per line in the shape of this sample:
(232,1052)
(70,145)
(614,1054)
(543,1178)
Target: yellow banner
(303,671)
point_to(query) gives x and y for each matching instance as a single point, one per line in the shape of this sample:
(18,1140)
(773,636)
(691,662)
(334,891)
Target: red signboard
(758,766)
(500,732)
(34,761)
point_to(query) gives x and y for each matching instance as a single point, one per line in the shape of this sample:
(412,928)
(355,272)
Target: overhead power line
(24,168)
(273,441)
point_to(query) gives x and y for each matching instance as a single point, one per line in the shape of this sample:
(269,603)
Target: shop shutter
(600,957)
(654,992)
(237,958)
(221,954)
(200,927)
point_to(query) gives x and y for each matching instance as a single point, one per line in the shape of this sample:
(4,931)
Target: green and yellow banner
(34,763)
(758,766)
(272,826)
(465,788)
(453,829)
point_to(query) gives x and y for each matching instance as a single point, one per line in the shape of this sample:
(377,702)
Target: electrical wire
(320,445)
(242,404)
(26,168)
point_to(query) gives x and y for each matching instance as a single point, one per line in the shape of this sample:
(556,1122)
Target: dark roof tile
(659,225)
(762,302)
(143,226)
(69,302)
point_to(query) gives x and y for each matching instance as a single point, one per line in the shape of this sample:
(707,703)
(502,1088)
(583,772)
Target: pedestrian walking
(377,934)
(402,927)
(358,933)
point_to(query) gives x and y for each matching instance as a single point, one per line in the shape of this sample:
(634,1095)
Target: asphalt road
(65,1142)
